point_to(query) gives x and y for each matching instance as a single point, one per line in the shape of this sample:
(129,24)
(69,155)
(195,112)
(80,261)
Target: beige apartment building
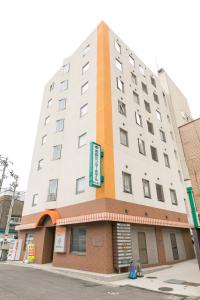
(106,183)
(190,136)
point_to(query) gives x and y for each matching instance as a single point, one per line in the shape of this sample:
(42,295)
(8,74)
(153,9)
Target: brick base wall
(99,249)
(99,254)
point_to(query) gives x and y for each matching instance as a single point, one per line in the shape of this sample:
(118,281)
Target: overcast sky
(35,37)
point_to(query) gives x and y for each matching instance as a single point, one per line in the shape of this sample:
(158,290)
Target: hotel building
(106,182)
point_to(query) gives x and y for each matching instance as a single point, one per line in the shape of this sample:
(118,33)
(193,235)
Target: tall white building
(122,196)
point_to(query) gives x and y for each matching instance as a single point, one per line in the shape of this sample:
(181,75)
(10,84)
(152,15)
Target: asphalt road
(19,283)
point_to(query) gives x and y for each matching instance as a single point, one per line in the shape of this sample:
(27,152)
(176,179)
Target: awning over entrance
(52,214)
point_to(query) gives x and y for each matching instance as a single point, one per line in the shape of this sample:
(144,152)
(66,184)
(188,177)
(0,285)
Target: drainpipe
(196,230)
(193,207)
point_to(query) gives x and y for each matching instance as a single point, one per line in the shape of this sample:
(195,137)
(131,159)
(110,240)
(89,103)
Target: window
(158,115)
(84,88)
(146,188)
(35,200)
(83,110)
(29,239)
(150,127)
(57,152)
(80,185)
(180,176)
(44,139)
(85,67)
(82,140)
(141,69)
(144,88)
(46,121)
(142,246)
(52,191)
(138,119)
(165,100)
(159,191)
(153,81)
(166,158)
(185,116)
(131,60)
(172,136)
(86,50)
(147,106)
(134,78)
(120,85)
(141,146)
(60,125)
(136,98)
(62,104)
(121,108)
(118,64)
(162,135)
(175,153)
(51,87)
(154,153)
(127,185)
(155,96)
(173,197)
(50,102)
(117,47)
(66,68)
(78,240)
(40,164)
(63,85)
(174,246)
(123,137)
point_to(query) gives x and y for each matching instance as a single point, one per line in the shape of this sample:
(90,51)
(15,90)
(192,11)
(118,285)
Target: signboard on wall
(122,245)
(95,176)
(14,249)
(19,248)
(31,252)
(60,240)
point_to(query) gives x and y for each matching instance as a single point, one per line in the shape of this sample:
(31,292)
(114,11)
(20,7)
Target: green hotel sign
(96,154)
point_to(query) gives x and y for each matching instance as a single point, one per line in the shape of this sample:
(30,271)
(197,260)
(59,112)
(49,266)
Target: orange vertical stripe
(104,133)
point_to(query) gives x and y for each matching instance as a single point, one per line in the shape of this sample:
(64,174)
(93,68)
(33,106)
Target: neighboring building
(5,201)
(105,94)
(190,136)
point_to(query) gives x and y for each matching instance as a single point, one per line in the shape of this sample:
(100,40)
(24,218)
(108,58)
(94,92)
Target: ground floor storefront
(106,241)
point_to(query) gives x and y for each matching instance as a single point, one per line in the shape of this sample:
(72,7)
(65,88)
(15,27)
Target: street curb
(84,274)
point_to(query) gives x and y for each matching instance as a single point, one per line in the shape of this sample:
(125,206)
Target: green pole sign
(96,154)
(193,207)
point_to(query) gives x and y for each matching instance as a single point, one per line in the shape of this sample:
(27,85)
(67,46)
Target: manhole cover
(175,281)
(186,283)
(151,277)
(165,289)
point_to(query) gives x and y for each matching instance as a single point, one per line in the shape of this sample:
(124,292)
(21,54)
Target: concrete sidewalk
(178,279)
(181,279)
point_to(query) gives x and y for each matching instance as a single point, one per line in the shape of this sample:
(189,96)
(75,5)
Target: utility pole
(4,162)
(14,186)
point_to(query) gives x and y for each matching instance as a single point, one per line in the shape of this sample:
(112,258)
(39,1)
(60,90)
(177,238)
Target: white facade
(128,159)
(74,161)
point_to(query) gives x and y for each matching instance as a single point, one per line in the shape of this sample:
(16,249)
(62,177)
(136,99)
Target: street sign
(95,176)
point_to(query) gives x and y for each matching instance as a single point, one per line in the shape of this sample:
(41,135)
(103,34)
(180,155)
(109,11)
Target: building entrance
(49,244)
